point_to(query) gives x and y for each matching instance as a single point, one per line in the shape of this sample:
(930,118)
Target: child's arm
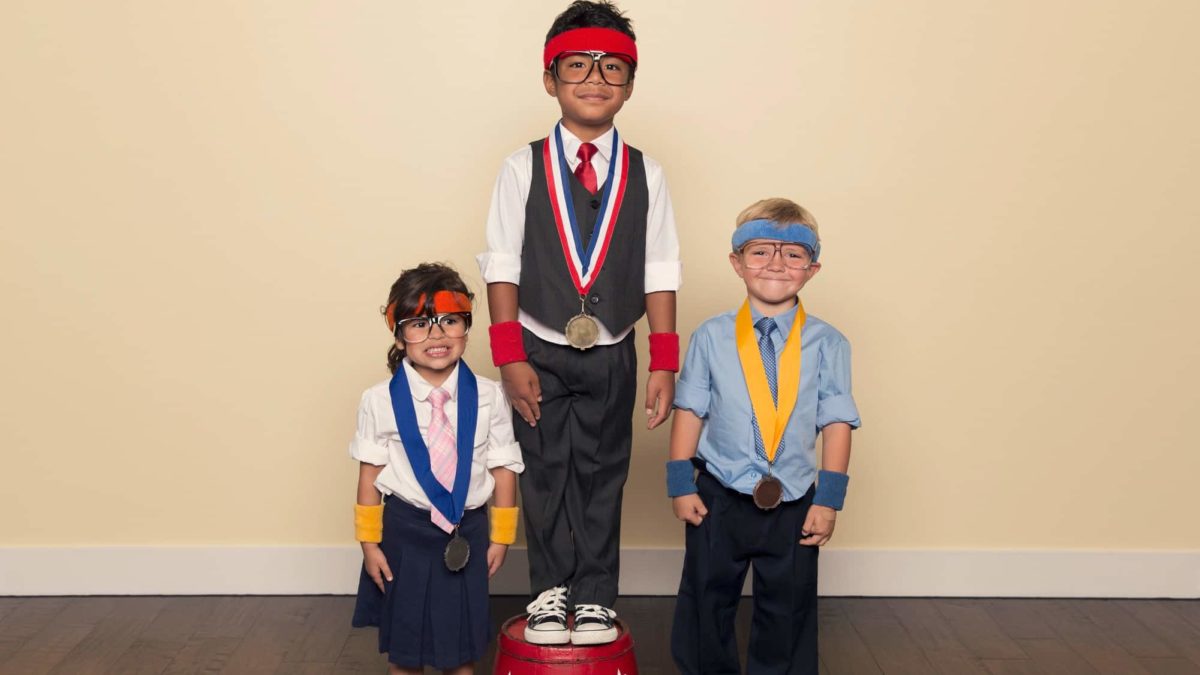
(504,495)
(521,384)
(504,463)
(660,388)
(368,495)
(835,456)
(685,436)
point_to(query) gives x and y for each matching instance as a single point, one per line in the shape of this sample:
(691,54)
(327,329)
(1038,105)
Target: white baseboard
(310,570)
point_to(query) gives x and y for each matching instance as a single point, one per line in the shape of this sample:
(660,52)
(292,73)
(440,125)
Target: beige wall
(203,205)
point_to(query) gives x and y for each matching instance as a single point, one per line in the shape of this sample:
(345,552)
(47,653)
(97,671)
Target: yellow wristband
(504,524)
(368,523)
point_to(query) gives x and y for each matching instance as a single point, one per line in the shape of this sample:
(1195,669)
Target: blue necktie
(766,350)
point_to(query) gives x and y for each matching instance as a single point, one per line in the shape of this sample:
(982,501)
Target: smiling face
(588,108)
(771,289)
(434,357)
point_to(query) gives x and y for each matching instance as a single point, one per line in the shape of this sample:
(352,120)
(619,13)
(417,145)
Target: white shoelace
(593,612)
(552,601)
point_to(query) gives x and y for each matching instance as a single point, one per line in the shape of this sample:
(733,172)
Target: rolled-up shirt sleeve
(664,272)
(834,400)
(506,220)
(367,446)
(502,448)
(693,391)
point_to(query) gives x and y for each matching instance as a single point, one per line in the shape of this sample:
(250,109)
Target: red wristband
(507,344)
(664,352)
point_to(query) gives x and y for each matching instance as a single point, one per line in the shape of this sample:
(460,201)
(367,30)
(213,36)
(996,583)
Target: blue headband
(762,228)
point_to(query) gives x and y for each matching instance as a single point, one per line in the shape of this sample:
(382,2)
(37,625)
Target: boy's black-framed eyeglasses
(576,67)
(758,256)
(419,328)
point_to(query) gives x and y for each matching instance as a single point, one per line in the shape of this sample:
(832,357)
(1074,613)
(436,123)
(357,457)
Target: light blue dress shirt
(712,386)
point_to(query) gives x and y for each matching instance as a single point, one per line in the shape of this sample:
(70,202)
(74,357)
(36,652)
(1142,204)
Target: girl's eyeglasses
(418,329)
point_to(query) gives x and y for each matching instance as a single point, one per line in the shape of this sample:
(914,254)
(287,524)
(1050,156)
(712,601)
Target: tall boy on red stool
(581,242)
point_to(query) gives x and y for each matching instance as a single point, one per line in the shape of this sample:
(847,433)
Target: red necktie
(584,172)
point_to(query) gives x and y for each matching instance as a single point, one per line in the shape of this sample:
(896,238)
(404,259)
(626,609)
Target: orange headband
(444,302)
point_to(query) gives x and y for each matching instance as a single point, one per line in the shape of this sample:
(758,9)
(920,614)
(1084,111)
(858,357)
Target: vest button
(595,299)
(595,204)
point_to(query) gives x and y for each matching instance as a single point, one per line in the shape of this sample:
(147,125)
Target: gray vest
(618,296)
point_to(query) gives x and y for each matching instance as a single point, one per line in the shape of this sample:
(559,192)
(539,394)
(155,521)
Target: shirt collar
(783,322)
(571,144)
(421,388)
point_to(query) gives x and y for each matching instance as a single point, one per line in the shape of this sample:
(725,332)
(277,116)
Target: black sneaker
(547,623)
(593,625)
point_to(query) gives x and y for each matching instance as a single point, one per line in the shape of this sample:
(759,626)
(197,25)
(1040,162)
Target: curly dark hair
(427,278)
(584,14)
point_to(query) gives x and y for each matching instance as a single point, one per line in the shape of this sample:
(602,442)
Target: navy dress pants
(576,463)
(735,536)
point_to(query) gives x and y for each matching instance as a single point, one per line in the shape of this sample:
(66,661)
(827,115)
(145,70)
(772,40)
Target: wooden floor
(859,636)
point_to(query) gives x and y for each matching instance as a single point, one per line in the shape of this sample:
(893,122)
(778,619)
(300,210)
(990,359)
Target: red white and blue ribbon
(584,264)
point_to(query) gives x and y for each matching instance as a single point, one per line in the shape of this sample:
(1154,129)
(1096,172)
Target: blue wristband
(681,478)
(831,489)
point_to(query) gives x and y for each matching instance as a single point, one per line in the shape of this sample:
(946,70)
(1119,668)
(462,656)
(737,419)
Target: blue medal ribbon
(451,504)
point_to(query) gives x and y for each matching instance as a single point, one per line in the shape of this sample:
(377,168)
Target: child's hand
(689,509)
(660,394)
(523,389)
(376,563)
(818,526)
(495,557)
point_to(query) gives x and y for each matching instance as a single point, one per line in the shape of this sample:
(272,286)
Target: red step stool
(515,656)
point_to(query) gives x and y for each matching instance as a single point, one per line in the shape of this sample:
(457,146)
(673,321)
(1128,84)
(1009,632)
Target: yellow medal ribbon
(770,418)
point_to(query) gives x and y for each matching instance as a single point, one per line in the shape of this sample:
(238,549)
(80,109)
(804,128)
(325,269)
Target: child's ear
(550,83)
(736,263)
(629,89)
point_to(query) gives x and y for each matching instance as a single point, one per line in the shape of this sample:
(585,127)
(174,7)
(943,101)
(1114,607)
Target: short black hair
(585,14)
(424,279)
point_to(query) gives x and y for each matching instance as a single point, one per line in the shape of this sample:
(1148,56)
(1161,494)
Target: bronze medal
(457,553)
(768,493)
(582,331)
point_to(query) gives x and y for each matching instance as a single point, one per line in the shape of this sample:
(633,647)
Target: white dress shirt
(377,439)
(506,228)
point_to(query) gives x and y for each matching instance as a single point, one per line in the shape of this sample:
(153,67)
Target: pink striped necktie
(443,455)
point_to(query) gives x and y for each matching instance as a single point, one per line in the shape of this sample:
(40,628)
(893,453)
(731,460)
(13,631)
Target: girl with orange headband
(434,442)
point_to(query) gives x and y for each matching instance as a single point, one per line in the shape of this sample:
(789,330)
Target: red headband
(444,302)
(589,39)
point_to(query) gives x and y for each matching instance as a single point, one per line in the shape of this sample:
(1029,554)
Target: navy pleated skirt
(428,615)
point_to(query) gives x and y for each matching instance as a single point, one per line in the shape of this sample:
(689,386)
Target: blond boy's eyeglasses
(758,256)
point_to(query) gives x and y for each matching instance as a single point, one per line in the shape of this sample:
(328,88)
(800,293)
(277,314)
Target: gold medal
(768,492)
(582,331)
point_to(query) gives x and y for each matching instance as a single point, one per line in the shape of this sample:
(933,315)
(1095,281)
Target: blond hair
(779,211)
